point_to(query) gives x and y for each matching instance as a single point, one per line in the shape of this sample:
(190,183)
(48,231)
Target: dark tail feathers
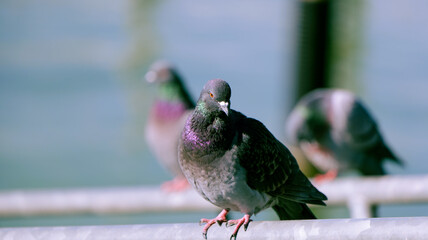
(290,210)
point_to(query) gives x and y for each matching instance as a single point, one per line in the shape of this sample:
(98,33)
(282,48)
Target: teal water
(73,103)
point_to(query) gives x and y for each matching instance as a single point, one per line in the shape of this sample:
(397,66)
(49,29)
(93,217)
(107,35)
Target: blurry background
(73,102)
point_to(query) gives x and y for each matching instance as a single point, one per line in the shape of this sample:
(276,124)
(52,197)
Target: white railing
(99,201)
(359,194)
(332,229)
(356,193)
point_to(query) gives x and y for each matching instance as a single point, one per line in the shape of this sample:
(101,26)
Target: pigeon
(166,120)
(235,163)
(337,133)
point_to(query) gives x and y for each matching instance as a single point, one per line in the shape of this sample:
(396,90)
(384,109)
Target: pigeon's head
(215,97)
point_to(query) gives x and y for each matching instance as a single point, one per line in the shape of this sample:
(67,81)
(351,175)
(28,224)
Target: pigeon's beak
(224,107)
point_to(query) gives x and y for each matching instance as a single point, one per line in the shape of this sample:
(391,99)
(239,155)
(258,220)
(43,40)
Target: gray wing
(363,141)
(361,131)
(270,166)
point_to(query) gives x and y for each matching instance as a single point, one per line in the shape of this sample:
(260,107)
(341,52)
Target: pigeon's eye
(211,95)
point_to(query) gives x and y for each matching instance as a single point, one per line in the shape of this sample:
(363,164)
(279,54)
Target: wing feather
(270,166)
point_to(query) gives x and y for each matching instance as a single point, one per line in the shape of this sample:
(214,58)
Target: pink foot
(239,222)
(326,177)
(178,184)
(221,218)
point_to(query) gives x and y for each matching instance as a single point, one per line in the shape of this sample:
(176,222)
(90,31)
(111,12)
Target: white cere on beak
(225,107)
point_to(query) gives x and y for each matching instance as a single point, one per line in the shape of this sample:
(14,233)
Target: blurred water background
(73,101)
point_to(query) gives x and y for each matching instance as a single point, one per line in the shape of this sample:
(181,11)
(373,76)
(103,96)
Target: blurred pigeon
(235,163)
(336,132)
(166,120)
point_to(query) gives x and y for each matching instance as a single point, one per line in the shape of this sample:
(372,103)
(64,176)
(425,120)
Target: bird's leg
(177,184)
(239,222)
(328,176)
(221,218)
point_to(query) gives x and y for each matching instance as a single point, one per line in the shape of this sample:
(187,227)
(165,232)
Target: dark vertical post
(328,45)
(312,46)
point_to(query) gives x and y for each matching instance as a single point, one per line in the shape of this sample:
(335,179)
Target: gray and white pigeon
(166,120)
(336,132)
(235,163)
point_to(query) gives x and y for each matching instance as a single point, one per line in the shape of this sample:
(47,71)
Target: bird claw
(233,236)
(221,218)
(203,220)
(239,222)
(246,224)
(232,222)
(211,221)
